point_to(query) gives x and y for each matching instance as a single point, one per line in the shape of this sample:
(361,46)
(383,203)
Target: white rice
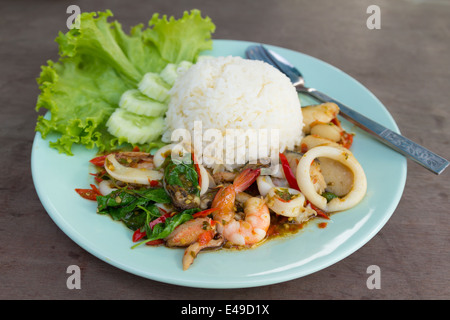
(235,93)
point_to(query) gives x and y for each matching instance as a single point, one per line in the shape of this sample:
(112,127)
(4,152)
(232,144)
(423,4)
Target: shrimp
(226,196)
(253,228)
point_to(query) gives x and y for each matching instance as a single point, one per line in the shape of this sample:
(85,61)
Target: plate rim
(74,235)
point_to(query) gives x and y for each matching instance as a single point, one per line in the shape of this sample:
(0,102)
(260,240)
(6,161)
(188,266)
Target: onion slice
(130,175)
(205,180)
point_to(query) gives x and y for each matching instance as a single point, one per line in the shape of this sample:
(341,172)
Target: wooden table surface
(405,63)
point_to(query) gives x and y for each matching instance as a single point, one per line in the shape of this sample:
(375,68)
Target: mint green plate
(312,249)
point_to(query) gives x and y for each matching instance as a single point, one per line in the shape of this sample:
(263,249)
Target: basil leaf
(183,175)
(134,220)
(329,196)
(158,195)
(128,205)
(162,230)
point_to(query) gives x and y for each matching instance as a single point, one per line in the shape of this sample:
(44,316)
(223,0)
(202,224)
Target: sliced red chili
(347,140)
(158,220)
(197,168)
(320,212)
(138,235)
(88,194)
(204,213)
(290,177)
(153,183)
(155,242)
(337,122)
(99,161)
(96,190)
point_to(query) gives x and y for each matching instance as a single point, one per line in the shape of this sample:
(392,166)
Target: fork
(397,142)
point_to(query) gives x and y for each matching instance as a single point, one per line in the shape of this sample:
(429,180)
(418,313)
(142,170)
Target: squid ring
(353,197)
(289,205)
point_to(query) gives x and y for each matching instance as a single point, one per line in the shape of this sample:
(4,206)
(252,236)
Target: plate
(312,249)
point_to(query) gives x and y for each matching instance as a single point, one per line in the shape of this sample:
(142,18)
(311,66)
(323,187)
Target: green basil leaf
(183,175)
(162,230)
(329,196)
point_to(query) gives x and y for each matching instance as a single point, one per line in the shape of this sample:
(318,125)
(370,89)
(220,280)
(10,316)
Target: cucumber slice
(183,66)
(172,71)
(153,86)
(133,127)
(169,73)
(134,101)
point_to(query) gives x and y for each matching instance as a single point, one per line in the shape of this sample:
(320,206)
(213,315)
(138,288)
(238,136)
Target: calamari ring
(355,194)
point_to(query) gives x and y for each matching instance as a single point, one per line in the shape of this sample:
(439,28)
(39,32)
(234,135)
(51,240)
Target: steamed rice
(235,93)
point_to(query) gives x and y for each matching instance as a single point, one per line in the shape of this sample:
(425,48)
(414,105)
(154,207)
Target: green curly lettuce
(98,62)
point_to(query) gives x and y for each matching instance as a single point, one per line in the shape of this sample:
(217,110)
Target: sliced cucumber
(133,127)
(134,101)
(172,71)
(183,66)
(153,86)
(169,73)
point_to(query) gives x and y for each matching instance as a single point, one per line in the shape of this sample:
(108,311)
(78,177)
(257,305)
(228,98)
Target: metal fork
(399,143)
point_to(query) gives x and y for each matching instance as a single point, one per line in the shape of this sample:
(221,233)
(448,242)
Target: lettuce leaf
(98,62)
(195,36)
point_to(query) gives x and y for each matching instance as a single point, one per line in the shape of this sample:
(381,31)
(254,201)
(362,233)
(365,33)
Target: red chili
(89,194)
(153,183)
(160,219)
(197,168)
(320,212)
(204,213)
(336,122)
(138,235)
(155,242)
(99,161)
(288,173)
(347,140)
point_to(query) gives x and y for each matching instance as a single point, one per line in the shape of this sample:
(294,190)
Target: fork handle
(403,145)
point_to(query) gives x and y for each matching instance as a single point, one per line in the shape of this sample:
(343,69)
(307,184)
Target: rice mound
(235,93)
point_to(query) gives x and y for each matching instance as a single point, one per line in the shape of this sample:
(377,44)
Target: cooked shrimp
(226,196)
(254,228)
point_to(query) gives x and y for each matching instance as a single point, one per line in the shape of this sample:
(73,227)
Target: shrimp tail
(245,179)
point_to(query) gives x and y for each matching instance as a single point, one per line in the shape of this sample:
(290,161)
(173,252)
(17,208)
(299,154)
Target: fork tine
(253,53)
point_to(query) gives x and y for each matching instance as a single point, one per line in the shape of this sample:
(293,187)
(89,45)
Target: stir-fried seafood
(186,205)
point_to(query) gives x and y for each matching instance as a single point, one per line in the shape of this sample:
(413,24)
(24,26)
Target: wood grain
(405,64)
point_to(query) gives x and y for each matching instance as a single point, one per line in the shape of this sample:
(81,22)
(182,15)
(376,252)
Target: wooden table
(405,63)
